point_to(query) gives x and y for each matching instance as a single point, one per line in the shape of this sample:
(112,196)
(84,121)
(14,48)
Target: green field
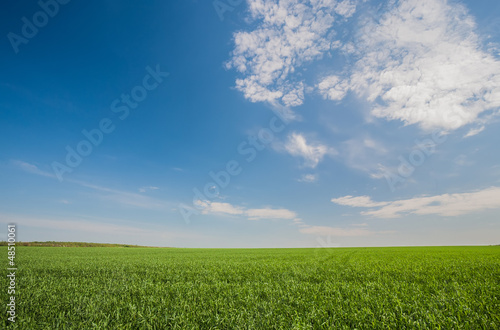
(348,288)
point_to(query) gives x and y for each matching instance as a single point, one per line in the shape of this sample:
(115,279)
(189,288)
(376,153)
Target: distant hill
(70,244)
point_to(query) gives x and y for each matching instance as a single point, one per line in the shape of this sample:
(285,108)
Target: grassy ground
(68,244)
(363,288)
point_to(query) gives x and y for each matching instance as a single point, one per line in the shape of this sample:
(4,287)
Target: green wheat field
(338,288)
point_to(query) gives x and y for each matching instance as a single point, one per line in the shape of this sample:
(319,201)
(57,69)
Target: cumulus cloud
(333,88)
(423,63)
(289,33)
(443,205)
(311,152)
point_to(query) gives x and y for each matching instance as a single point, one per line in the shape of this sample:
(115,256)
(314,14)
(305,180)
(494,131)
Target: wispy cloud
(474,131)
(30,168)
(117,196)
(443,205)
(76,225)
(312,152)
(463,160)
(364,154)
(360,201)
(124,197)
(96,226)
(145,189)
(309,178)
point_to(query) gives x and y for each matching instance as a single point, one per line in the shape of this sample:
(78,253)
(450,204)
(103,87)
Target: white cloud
(144,189)
(268,213)
(443,205)
(289,33)
(474,131)
(124,197)
(117,196)
(75,224)
(345,8)
(361,201)
(312,152)
(364,154)
(30,168)
(333,88)
(298,222)
(252,214)
(309,178)
(120,231)
(221,208)
(423,63)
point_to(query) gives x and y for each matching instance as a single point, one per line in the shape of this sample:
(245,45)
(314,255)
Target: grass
(348,288)
(68,244)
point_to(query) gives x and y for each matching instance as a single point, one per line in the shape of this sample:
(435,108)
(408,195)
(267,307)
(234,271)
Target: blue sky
(251,124)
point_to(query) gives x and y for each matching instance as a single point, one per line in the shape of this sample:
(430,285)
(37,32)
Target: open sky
(251,123)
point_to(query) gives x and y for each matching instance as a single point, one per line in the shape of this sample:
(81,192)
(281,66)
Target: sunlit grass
(364,288)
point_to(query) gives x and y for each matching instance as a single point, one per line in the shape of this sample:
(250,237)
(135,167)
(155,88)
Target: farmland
(343,288)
